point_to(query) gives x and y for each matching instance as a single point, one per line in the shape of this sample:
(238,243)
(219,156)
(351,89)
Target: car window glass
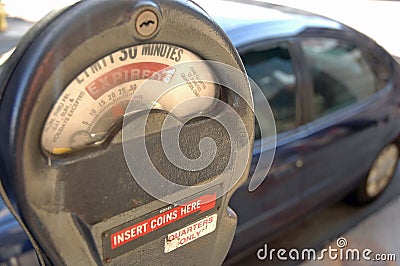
(340,73)
(272,69)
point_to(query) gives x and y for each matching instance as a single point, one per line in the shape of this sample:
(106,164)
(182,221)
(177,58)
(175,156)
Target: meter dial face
(95,101)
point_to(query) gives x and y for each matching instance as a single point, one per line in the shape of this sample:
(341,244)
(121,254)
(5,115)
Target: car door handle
(286,169)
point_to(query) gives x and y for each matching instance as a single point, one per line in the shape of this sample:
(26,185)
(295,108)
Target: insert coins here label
(133,234)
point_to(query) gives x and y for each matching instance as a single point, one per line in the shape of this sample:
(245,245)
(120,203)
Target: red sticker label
(128,73)
(199,205)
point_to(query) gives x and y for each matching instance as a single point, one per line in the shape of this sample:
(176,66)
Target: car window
(272,69)
(340,74)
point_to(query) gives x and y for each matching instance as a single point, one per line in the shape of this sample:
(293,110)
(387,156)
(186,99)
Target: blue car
(335,96)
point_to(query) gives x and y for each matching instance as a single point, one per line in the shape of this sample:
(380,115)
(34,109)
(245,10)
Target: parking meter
(93,103)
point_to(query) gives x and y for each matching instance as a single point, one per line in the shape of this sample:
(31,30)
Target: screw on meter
(96,100)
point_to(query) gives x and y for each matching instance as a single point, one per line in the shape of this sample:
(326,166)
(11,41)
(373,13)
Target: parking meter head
(126,127)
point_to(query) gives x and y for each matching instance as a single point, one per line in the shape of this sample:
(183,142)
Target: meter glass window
(94,102)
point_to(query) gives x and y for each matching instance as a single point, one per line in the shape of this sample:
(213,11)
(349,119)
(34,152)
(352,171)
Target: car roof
(248,21)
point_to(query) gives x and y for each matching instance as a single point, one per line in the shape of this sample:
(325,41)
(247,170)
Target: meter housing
(63,95)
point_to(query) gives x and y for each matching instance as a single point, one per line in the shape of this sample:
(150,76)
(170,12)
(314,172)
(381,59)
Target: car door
(347,107)
(275,203)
